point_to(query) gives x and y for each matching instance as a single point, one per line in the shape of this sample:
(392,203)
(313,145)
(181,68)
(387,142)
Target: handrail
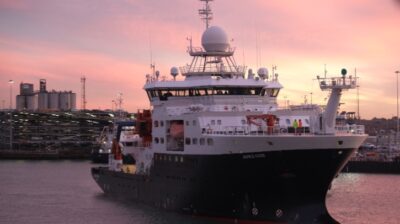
(249,130)
(277,130)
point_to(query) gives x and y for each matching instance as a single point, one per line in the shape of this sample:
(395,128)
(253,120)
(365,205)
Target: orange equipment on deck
(144,126)
(116,150)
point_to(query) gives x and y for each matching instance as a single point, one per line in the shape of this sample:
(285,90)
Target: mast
(336,85)
(205,13)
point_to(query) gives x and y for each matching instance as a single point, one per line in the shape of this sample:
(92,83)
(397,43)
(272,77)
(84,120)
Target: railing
(213,69)
(350,129)
(256,131)
(338,82)
(277,130)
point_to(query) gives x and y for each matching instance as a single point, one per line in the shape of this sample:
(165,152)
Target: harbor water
(64,192)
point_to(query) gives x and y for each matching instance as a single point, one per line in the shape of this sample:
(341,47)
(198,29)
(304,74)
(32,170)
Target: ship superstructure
(216,143)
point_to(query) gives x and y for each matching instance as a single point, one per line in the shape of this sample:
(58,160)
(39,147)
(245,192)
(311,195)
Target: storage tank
(65,101)
(21,102)
(43,101)
(54,100)
(31,102)
(25,89)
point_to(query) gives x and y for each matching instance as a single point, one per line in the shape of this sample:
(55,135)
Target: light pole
(11,82)
(397,118)
(11,133)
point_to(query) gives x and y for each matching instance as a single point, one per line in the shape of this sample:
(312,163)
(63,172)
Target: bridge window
(271,92)
(165,93)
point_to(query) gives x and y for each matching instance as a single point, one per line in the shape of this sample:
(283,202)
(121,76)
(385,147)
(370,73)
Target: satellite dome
(214,39)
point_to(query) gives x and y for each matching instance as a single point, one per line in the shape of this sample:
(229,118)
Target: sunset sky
(109,41)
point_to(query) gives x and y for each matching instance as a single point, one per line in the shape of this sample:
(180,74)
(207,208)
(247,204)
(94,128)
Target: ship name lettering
(254,156)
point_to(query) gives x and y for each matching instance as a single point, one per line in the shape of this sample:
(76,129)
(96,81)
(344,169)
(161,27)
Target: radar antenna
(206,13)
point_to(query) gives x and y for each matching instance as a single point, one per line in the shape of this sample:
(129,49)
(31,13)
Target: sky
(112,42)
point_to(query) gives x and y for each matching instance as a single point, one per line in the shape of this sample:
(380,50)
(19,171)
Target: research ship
(215,144)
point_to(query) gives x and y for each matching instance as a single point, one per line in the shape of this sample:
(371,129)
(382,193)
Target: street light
(397,88)
(11,134)
(11,82)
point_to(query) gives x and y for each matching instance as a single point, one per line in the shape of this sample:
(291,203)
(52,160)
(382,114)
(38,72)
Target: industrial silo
(43,101)
(54,100)
(65,101)
(73,101)
(31,103)
(21,102)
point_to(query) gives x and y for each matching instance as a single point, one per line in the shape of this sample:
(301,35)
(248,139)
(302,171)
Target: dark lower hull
(373,167)
(97,157)
(282,186)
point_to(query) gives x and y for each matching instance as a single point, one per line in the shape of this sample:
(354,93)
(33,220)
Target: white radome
(174,71)
(263,73)
(214,39)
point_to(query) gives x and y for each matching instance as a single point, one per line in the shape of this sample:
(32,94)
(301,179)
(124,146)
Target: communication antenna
(152,64)
(358,95)
(325,71)
(119,103)
(205,13)
(83,93)
(257,55)
(273,70)
(190,43)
